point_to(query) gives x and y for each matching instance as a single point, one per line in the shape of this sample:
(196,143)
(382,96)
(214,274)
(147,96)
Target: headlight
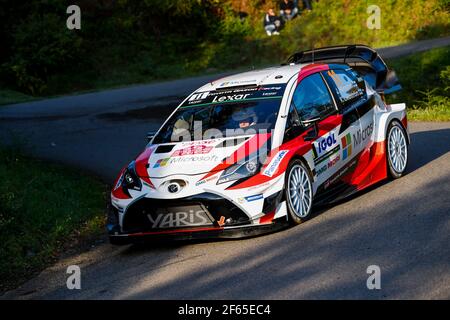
(129,179)
(240,170)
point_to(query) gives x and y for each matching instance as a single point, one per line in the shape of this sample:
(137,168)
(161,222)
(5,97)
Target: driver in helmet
(246,118)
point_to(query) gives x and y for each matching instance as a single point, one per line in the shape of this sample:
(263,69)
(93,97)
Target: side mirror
(150,135)
(391,83)
(312,134)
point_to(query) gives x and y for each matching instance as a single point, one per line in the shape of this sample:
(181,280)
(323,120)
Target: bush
(425,78)
(42,46)
(343,21)
(125,41)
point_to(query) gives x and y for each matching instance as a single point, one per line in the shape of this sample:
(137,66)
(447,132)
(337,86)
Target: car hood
(198,157)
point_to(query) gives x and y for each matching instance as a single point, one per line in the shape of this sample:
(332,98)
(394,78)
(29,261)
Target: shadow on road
(295,260)
(427,146)
(158,110)
(329,260)
(401,226)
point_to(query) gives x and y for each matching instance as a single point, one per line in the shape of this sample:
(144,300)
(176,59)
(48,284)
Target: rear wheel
(299,191)
(397,150)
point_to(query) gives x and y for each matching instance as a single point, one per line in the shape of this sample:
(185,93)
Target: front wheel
(397,150)
(299,191)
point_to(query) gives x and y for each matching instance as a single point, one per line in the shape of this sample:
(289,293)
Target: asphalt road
(402,226)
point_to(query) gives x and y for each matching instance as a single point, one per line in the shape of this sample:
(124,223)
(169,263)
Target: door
(313,99)
(357,128)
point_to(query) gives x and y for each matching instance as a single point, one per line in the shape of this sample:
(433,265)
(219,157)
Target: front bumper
(228,220)
(198,233)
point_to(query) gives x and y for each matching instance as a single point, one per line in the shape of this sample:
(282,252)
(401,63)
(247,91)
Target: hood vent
(164,148)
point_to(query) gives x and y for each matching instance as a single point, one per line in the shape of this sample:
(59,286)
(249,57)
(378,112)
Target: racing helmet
(245,114)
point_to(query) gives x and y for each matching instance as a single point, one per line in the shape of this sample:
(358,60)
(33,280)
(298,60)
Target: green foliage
(422,72)
(41,48)
(41,205)
(11,96)
(425,78)
(232,27)
(433,112)
(124,42)
(344,21)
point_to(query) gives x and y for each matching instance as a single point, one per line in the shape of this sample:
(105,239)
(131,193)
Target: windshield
(223,114)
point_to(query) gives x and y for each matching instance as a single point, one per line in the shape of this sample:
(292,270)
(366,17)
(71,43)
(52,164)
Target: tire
(396,150)
(298,191)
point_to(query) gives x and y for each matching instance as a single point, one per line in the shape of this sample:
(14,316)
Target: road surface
(402,226)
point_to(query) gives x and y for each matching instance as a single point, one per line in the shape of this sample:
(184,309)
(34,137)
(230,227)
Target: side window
(292,124)
(347,86)
(312,98)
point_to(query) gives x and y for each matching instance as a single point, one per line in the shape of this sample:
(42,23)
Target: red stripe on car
(141,166)
(250,146)
(310,69)
(267,217)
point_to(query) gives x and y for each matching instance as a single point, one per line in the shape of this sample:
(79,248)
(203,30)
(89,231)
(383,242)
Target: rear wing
(363,59)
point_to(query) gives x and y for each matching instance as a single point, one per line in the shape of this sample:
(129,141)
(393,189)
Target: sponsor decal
(274,163)
(195,149)
(206,180)
(199,142)
(269,88)
(199,96)
(198,158)
(362,135)
(235,94)
(321,170)
(324,144)
(200,182)
(350,167)
(230,98)
(195,158)
(179,219)
(254,198)
(232,83)
(267,94)
(329,165)
(161,162)
(327,155)
(346,146)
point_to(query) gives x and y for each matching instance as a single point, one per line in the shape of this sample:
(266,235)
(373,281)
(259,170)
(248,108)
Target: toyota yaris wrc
(253,152)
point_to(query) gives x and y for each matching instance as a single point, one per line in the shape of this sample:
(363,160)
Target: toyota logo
(174,187)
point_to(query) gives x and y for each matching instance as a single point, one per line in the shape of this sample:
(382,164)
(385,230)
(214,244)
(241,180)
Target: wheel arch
(402,125)
(396,112)
(305,162)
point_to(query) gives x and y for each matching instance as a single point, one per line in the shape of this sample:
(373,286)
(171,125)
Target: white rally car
(253,152)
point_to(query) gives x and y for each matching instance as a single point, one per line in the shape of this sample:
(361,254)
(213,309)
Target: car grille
(137,219)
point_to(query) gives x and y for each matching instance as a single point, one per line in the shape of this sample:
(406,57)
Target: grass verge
(425,78)
(10,96)
(44,208)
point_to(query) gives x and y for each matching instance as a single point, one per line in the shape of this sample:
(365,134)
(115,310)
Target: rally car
(253,152)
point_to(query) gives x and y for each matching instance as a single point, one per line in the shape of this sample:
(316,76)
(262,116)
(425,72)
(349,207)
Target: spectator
(272,23)
(307,4)
(288,10)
